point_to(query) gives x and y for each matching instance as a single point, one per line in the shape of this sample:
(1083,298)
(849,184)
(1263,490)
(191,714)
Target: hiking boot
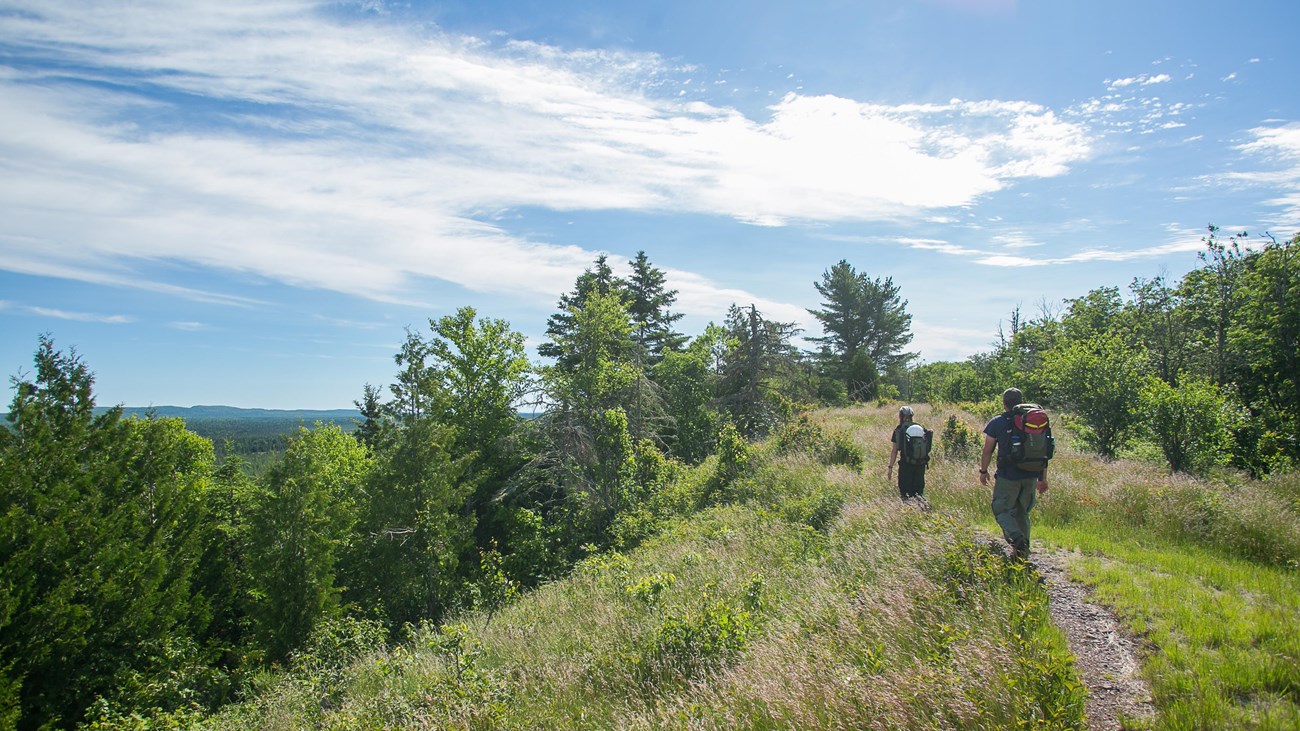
(1020,548)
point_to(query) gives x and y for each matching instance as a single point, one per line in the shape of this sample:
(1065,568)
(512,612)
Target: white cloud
(1182,244)
(1279,145)
(937,342)
(69,315)
(1139,80)
(363,157)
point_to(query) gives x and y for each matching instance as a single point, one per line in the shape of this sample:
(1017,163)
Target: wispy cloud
(65,314)
(1131,105)
(282,141)
(1280,146)
(1002,247)
(1139,80)
(947,342)
(1181,244)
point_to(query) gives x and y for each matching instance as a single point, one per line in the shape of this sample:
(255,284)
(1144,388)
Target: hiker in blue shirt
(1014,488)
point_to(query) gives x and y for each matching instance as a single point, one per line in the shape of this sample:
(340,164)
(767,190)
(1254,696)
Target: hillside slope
(810,597)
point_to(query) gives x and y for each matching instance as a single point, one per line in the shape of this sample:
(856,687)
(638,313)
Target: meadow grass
(816,599)
(1223,650)
(1204,571)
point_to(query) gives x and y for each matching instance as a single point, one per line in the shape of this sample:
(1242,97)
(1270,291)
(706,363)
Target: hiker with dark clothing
(1015,488)
(911,470)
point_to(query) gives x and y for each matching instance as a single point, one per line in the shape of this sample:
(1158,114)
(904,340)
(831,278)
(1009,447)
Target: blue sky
(245,203)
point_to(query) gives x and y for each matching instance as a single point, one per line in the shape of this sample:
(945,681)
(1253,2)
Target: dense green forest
(256,436)
(147,579)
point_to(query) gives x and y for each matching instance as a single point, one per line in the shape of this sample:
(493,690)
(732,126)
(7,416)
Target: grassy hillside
(811,598)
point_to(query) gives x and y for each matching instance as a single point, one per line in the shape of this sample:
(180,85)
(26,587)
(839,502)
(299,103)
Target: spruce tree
(866,325)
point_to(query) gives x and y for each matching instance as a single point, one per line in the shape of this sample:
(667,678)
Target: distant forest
(256,436)
(149,571)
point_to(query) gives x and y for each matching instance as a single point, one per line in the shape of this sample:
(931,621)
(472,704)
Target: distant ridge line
(235,412)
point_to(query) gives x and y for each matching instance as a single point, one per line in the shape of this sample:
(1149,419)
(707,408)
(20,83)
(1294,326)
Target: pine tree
(866,325)
(600,280)
(300,525)
(98,542)
(649,305)
(759,351)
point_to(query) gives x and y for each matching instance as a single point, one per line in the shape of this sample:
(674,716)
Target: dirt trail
(1105,653)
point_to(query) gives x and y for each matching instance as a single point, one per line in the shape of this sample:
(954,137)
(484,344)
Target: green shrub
(1193,422)
(803,435)
(701,639)
(817,509)
(734,456)
(959,442)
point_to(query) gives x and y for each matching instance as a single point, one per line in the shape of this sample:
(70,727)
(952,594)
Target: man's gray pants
(1012,501)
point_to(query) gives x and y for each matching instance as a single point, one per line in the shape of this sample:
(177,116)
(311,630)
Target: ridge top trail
(1105,653)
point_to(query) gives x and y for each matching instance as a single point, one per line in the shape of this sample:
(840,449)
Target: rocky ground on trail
(1105,652)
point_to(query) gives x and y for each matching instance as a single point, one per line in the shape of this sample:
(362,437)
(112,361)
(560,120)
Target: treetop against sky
(246,203)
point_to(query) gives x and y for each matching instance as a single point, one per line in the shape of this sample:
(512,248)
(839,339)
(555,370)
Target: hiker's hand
(1042,486)
(984,478)
(890,472)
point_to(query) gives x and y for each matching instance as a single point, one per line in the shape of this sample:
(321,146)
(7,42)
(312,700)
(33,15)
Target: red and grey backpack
(1030,439)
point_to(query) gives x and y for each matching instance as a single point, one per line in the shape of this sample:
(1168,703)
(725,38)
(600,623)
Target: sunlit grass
(1203,570)
(759,614)
(1222,633)
(818,600)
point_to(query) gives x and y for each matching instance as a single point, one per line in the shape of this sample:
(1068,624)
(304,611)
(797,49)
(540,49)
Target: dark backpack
(1030,442)
(915,449)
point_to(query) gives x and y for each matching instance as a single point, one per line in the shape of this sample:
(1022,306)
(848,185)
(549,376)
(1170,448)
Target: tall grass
(1205,570)
(816,600)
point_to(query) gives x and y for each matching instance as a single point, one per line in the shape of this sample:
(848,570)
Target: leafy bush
(1192,422)
(830,448)
(958,440)
(701,639)
(733,460)
(332,646)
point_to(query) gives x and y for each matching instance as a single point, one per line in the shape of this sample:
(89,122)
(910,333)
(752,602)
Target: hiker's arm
(985,457)
(893,454)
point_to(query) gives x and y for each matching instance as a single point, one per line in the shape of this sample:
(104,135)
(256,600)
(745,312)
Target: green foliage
(1099,379)
(99,537)
(648,304)
(947,382)
(1043,666)
(817,509)
(688,381)
(334,644)
(561,326)
(300,526)
(1192,422)
(866,325)
(958,441)
(1264,336)
(596,372)
(413,543)
(733,461)
(757,357)
(802,434)
(701,639)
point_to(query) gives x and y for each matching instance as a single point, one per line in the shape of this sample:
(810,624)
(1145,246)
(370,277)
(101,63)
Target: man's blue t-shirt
(999,427)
